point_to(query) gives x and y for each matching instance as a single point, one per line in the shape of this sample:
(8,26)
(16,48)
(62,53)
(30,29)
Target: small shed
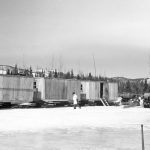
(16,89)
(57,89)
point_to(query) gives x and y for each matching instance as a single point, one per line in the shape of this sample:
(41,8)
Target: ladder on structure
(104,102)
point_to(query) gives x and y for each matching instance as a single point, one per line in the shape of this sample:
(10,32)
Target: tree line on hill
(55,74)
(71,75)
(134,87)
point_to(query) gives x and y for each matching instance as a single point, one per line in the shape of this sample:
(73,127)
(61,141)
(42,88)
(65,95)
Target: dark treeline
(55,74)
(17,71)
(134,87)
(71,75)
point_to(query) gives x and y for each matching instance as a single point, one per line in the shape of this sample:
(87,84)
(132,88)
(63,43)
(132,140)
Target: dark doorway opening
(101,90)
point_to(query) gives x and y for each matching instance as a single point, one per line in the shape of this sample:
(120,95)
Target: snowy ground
(88,128)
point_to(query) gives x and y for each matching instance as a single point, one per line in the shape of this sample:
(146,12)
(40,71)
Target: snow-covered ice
(67,117)
(65,128)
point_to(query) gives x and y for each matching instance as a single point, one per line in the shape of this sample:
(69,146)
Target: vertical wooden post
(142,136)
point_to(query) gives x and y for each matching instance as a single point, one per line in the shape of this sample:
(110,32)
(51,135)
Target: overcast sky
(68,33)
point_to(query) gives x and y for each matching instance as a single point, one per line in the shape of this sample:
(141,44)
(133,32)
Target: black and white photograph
(74,75)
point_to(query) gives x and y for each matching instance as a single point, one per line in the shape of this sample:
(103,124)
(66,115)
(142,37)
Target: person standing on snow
(75,100)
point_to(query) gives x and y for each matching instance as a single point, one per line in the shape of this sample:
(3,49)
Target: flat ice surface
(89,128)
